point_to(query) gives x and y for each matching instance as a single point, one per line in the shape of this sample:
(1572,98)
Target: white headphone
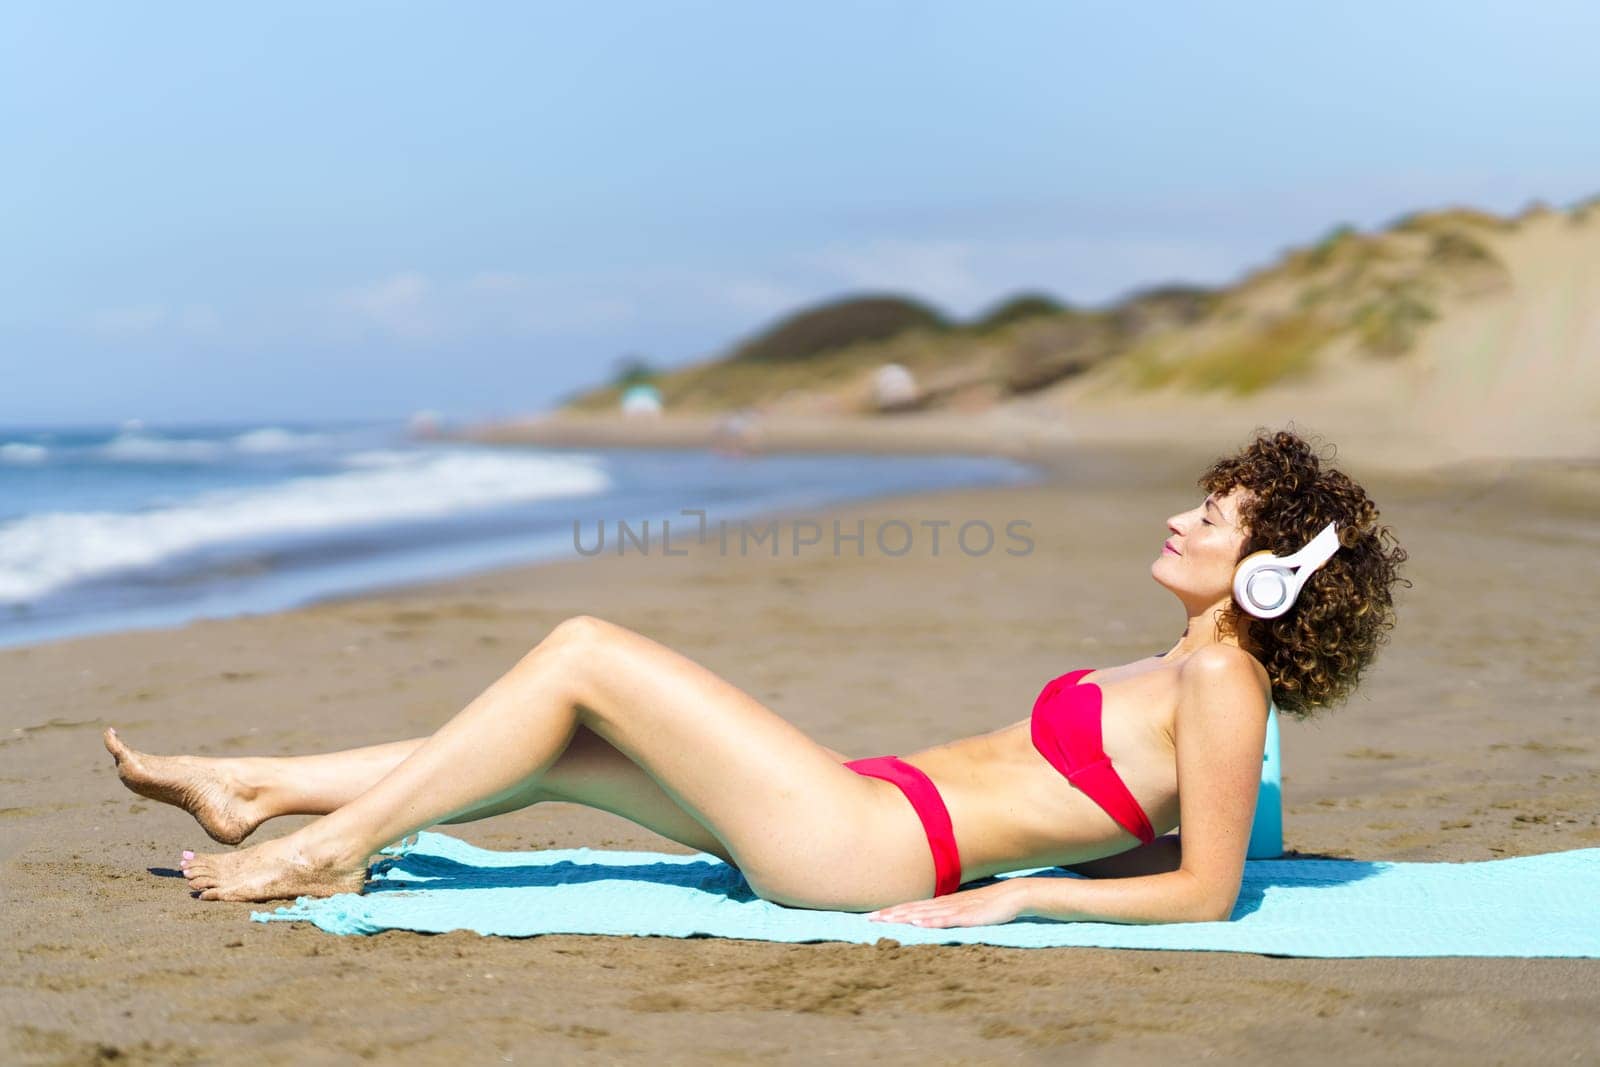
(1266,585)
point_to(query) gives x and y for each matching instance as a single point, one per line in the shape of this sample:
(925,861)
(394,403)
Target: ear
(1251,556)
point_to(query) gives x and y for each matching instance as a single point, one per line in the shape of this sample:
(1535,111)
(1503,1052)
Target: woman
(599,715)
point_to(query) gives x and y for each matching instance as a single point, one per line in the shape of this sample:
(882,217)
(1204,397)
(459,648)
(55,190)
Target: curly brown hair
(1316,651)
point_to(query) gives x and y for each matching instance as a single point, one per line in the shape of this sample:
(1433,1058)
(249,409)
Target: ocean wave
(136,447)
(379,457)
(272,439)
(21,453)
(44,552)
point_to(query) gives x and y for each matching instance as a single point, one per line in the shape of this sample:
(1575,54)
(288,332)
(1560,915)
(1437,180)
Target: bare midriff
(1011,810)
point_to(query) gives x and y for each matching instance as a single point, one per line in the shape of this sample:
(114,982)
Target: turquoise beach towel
(1546,905)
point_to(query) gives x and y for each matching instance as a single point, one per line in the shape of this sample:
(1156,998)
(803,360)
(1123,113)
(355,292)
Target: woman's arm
(1221,733)
(1170,897)
(1166,896)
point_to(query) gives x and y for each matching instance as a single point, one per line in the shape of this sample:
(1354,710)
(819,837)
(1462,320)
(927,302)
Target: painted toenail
(188,855)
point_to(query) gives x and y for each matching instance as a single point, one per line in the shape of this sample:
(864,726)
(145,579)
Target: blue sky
(306,211)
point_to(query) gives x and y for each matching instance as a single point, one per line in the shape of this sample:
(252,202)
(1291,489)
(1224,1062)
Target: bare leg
(753,780)
(231,796)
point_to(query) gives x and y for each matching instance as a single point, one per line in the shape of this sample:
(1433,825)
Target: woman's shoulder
(1228,665)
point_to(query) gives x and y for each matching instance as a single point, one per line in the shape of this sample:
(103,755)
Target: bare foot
(272,870)
(197,785)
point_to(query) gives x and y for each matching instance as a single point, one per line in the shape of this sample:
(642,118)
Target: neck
(1204,629)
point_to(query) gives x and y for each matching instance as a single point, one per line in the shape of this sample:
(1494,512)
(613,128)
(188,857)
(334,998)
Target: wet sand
(1473,737)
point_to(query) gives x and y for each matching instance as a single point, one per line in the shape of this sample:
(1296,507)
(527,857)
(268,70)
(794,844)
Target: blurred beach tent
(738,433)
(894,387)
(641,399)
(424,424)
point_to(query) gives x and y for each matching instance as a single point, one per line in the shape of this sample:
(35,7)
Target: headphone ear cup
(1269,592)
(1266,585)
(1248,568)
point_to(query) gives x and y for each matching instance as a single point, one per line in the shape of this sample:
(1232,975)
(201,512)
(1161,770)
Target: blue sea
(135,525)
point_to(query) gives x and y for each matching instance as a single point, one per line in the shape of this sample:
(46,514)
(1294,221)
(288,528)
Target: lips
(1167,547)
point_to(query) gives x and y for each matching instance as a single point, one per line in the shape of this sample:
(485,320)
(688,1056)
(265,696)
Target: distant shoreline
(982,434)
(1094,443)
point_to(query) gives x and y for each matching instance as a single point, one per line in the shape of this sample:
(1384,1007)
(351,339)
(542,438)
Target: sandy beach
(1473,737)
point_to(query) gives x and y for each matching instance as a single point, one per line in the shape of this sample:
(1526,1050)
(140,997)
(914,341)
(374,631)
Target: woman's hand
(987,905)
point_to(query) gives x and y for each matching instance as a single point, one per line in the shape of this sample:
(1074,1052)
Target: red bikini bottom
(929,806)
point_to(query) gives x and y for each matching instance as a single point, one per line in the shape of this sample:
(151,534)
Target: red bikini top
(1066,731)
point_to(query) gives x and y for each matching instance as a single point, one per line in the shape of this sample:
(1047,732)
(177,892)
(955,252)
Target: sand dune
(1448,337)
(1509,371)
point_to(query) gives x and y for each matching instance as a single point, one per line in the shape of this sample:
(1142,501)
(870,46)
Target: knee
(579,630)
(575,635)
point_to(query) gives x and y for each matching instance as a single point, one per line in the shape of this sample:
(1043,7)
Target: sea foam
(46,551)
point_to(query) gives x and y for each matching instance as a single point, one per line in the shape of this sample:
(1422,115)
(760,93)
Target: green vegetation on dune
(807,334)
(1046,350)
(1450,219)
(1387,325)
(1583,210)
(1455,248)
(1377,292)
(728,384)
(1322,253)
(1240,362)
(1018,308)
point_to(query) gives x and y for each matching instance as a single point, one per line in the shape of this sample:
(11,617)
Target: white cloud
(412,307)
(529,305)
(961,276)
(127,321)
(690,293)
(396,305)
(759,295)
(198,320)
(134,321)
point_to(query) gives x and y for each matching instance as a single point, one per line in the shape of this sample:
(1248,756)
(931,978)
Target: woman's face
(1197,562)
